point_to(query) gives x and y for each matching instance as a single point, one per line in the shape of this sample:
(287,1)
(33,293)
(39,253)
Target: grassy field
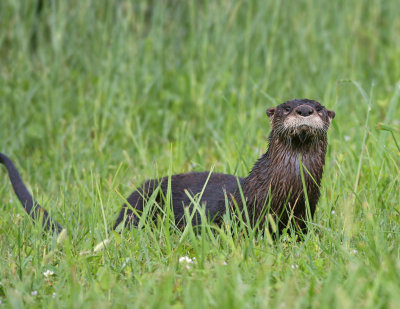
(97,96)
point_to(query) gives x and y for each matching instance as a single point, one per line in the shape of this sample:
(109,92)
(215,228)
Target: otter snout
(304,110)
(303,119)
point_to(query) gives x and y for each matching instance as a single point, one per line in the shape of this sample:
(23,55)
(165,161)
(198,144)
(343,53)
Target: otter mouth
(303,130)
(303,126)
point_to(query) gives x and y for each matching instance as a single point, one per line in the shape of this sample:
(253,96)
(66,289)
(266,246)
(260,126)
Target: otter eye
(287,109)
(318,108)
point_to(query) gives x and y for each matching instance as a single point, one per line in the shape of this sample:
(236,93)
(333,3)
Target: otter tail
(30,206)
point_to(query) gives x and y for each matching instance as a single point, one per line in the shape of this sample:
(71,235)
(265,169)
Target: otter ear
(331,115)
(271,112)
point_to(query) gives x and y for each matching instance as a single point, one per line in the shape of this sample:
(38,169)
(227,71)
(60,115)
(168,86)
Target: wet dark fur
(273,185)
(276,177)
(182,186)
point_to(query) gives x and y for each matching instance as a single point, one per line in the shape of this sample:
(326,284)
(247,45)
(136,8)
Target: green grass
(97,96)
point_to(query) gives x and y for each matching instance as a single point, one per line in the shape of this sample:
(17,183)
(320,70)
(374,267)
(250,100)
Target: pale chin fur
(313,121)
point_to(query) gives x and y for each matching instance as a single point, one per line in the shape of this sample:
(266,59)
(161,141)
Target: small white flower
(54,294)
(332,212)
(48,273)
(34,293)
(224,263)
(347,138)
(0,302)
(355,251)
(295,266)
(186,259)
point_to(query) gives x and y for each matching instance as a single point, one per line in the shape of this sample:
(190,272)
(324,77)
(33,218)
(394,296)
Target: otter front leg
(131,213)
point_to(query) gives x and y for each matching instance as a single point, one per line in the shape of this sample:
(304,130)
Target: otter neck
(275,179)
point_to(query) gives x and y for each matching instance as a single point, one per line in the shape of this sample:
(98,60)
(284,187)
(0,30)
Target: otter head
(300,121)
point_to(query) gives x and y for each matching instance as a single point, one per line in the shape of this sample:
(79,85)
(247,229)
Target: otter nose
(304,110)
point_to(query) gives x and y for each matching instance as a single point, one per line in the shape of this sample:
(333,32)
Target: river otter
(274,185)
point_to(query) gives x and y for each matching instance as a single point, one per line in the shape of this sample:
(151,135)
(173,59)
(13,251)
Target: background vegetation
(97,96)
